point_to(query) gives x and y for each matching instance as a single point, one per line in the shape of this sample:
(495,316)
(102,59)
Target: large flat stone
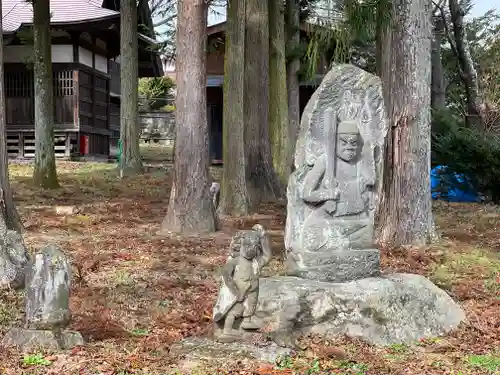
(197,348)
(29,340)
(382,310)
(335,266)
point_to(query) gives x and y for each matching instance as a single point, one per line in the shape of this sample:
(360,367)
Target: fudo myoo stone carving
(333,284)
(239,293)
(333,191)
(48,282)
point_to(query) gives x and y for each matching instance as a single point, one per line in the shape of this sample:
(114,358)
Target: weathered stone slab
(333,192)
(381,310)
(336,266)
(48,283)
(206,349)
(29,340)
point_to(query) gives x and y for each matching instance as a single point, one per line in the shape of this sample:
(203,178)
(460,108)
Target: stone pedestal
(396,308)
(336,266)
(28,340)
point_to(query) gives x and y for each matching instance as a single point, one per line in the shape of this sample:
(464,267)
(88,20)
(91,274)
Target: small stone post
(48,283)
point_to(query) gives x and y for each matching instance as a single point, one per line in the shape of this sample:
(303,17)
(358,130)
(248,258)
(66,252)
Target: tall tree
(438,92)
(292,71)
(7,205)
(457,38)
(130,160)
(264,181)
(190,209)
(45,174)
(234,192)
(278,105)
(405,209)
(13,253)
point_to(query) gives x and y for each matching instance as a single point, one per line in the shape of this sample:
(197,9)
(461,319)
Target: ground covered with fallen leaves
(135,294)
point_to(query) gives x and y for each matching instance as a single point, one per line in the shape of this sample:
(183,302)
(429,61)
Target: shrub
(468,152)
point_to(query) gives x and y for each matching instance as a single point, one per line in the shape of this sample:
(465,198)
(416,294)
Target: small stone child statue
(250,252)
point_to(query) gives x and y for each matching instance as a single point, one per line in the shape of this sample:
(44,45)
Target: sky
(482,6)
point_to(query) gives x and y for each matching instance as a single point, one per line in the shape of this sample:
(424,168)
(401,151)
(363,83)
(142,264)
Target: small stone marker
(66,210)
(48,282)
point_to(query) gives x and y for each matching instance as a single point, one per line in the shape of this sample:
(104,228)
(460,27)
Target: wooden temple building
(86,72)
(216,35)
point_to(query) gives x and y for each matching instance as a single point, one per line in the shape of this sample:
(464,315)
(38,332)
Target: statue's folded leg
(229,333)
(250,304)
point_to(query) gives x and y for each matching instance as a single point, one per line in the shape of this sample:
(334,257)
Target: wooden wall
(20,98)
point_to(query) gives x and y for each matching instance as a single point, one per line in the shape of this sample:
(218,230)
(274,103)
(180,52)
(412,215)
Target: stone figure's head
(348,140)
(250,246)
(245,243)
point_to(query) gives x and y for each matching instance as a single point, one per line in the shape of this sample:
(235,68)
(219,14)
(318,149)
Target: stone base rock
(396,308)
(30,339)
(199,349)
(335,266)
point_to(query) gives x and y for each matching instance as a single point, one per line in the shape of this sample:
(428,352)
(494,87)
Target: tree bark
(438,92)
(13,254)
(404,214)
(293,67)
(45,173)
(234,192)
(130,160)
(8,207)
(190,209)
(467,71)
(278,105)
(264,182)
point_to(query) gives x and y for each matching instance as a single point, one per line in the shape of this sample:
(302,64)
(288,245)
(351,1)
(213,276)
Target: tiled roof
(18,12)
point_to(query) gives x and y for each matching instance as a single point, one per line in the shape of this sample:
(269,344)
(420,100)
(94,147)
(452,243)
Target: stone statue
(341,191)
(333,191)
(250,251)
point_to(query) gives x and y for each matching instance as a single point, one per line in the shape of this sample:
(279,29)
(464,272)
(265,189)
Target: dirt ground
(135,294)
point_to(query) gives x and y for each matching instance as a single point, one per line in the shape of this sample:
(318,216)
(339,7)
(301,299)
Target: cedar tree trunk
(44,174)
(405,208)
(293,67)
(234,192)
(130,161)
(264,182)
(7,205)
(438,98)
(190,209)
(467,71)
(278,102)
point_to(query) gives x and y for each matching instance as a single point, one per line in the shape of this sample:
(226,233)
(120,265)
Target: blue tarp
(452,187)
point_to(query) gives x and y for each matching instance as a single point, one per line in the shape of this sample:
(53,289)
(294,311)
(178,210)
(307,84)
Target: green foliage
(36,360)
(468,152)
(487,362)
(350,38)
(154,92)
